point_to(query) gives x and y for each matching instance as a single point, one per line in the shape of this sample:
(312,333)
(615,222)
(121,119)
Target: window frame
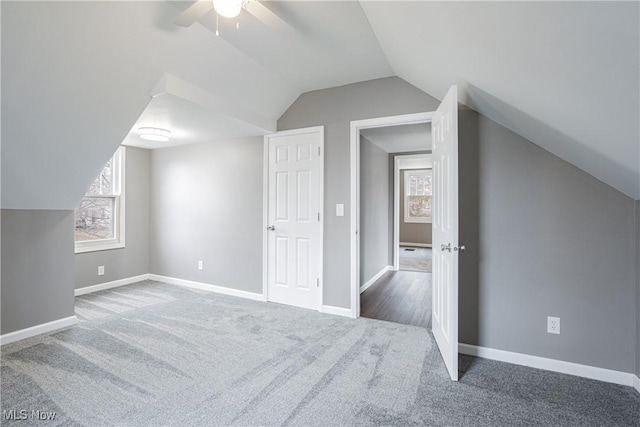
(118,195)
(406,174)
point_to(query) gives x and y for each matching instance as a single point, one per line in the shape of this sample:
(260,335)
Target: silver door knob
(445,248)
(271,228)
(460,248)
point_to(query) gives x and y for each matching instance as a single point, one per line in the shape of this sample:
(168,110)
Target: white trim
(375,278)
(636,383)
(207,287)
(265,218)
(265,210)
(98,248)
(354,167)
(38,330)
(417,245)
(321,221)
(585,371)
(110,285)
(337,311)
(396,213)
(119,239)
(396,204)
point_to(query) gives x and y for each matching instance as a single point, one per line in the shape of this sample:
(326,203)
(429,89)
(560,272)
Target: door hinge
(318,216)
(318,282)
(318,151)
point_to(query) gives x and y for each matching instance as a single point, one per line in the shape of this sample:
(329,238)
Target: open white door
(445,230)
(294,165)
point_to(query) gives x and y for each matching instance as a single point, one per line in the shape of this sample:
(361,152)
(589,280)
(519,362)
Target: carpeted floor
(415,259)
(152,354)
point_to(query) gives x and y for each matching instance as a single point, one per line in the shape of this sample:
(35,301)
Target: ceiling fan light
(227,8)
(154,134)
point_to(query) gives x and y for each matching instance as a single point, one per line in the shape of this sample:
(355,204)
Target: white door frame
(397,201)
(265,210)
(356,127)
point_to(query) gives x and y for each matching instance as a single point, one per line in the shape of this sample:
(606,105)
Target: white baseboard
(417,245)
(207,287)
(109,285)
(592,372)
(375,278)
(636,383)
(338,311)
(38,330)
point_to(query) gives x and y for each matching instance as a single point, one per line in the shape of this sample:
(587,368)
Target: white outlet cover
(339,209)
(553,325)
(101,270)
(200,265)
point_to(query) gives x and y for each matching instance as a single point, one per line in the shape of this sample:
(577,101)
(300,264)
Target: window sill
(97,248)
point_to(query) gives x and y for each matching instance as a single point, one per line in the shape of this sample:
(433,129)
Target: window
(99,217)
(417,195)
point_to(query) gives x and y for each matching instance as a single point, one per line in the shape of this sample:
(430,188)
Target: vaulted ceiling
(79,77)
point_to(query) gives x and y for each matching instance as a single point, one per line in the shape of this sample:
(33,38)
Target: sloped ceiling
(564,75)
(76,76)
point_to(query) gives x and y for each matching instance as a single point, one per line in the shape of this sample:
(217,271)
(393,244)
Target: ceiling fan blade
(193,13)
(267,17)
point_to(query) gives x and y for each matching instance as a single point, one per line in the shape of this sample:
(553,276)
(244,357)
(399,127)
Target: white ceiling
(564,75)
(400,139)
(188,122)
(332,45)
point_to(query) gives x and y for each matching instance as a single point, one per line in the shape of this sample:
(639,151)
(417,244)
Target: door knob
(445,248)
(460,248)
(271,228)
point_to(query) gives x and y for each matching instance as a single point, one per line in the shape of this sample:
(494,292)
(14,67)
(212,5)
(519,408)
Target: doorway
(395,224)
(444,139)
(413,190)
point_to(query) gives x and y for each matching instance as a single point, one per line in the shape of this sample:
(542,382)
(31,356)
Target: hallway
(400,297)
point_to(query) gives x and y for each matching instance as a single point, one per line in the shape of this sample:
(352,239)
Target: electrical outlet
(101,270)
(200,265)
(553,325)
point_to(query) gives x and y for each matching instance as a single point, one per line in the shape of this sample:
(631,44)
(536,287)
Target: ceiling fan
(231,9)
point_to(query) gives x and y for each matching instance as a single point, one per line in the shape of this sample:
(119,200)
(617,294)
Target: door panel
(445,230)
(293,256)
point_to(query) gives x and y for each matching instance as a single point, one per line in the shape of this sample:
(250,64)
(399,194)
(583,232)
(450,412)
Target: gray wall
(528,220)
(37,274)
(374,210)
(133,259)
(412,232)
(206,204)
(638,288)
(335,108)
(539,254)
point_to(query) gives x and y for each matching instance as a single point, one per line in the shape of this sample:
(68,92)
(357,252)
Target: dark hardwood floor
(400,297)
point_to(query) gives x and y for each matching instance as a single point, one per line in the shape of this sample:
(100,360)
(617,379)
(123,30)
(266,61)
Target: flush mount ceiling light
(154,134)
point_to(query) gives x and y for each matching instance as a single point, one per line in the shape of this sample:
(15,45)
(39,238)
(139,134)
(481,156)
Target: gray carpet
(415,259)
(152,354)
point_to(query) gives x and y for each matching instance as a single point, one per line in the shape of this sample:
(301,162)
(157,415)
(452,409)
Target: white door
(445,230)
(293,228)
